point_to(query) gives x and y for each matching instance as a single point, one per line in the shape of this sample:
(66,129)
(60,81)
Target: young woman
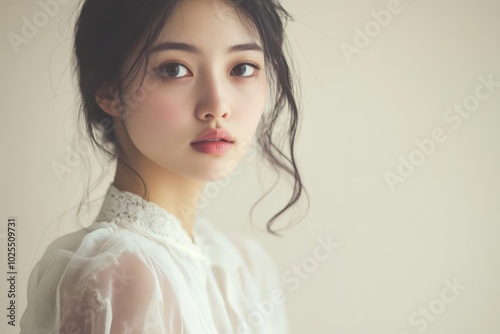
(173,91)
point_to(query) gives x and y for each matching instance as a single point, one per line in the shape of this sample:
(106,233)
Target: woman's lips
(212,146)
(213,134)
(215,141)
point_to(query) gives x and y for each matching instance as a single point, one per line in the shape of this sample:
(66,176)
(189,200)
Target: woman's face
(204,82)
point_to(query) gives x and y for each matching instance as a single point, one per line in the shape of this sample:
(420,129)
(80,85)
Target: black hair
(113,38)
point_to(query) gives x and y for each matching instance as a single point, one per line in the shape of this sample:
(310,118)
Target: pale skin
(211,88)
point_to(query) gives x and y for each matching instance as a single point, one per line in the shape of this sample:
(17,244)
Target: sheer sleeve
(114,282)
(125,297)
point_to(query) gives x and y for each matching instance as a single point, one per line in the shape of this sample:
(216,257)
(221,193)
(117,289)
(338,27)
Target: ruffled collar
(147,218)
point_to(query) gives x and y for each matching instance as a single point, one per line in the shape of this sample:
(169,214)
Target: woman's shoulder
(91,249)
(91,264)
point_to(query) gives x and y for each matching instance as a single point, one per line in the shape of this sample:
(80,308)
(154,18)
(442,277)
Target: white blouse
(136,270)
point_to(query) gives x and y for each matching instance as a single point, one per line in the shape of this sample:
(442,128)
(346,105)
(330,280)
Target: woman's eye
(177,70)
(173,70)
(244,69)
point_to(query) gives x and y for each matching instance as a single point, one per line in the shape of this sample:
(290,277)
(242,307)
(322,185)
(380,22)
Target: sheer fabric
(136,270)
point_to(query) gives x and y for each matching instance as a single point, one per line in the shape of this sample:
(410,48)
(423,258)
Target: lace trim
(136,213)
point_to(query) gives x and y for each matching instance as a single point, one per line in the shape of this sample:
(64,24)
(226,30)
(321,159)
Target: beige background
(397,248)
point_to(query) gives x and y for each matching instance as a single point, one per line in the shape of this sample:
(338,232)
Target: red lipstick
(213,141)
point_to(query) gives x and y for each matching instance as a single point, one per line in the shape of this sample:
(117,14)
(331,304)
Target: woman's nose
(213,103)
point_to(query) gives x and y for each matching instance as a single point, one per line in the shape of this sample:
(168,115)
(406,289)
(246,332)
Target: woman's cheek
(164,112)
(156,124)
(250,112)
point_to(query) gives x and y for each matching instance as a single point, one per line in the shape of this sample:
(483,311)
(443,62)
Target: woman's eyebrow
(191,48)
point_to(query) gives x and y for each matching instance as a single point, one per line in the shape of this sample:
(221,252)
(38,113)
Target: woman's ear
(108,101)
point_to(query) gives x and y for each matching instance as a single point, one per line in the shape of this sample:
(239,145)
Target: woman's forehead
(208,22)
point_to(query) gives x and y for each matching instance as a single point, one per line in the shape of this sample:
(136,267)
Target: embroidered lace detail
(134,212)
(85,298)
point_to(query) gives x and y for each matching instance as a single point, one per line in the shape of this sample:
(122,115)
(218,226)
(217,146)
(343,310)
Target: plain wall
(385,109)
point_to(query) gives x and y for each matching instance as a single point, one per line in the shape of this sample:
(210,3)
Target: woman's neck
(176,194)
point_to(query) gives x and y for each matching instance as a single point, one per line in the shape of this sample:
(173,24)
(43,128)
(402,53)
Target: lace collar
(147,218)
